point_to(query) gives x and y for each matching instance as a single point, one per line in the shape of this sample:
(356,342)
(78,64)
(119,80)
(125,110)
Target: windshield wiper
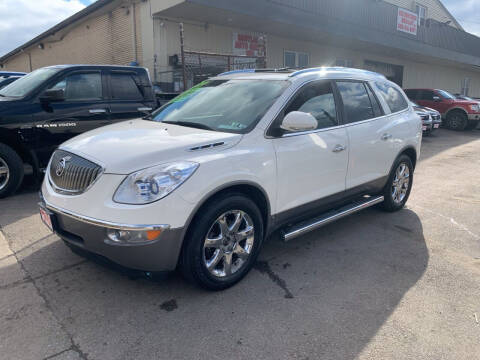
(189,124)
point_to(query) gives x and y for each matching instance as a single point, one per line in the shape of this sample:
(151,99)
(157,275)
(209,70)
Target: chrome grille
(72,174)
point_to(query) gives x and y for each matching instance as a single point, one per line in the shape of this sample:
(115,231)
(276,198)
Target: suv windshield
(28,83)
(222,105)
(446,95)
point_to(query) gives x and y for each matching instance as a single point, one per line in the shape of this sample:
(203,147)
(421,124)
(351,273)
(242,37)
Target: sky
(22,20)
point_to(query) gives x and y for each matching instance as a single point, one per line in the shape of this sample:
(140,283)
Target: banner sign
(407,21)
(249,45)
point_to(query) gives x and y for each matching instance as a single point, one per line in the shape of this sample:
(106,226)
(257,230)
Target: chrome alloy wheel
(400,184)
(229,243)
(4,173)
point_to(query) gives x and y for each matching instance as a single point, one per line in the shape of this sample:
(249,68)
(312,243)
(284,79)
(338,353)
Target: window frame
(273,129)
(63,76)
(297,53)
(421,20)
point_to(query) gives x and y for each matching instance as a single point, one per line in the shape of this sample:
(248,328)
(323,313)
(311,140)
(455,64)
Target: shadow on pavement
(322,296)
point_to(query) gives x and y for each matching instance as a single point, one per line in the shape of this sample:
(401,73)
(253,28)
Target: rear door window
(356,101)
(124,87)
(412,94)
(426,95)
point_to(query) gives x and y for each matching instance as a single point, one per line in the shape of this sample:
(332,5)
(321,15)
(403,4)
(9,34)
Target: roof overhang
(270,18)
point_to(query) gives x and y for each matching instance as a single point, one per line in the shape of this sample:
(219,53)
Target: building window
(344,63)
(295,59)
(422,13)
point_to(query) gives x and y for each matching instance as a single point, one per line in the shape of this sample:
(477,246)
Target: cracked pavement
(370,286)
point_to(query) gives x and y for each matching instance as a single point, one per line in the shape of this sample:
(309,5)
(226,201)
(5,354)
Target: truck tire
(456,120)
(472,124)
(223,242)
(399,184)
(11,171)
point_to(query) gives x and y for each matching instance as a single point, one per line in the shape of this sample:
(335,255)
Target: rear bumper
(91,235)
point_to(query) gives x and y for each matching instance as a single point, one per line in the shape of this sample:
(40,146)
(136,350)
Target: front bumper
(91,235)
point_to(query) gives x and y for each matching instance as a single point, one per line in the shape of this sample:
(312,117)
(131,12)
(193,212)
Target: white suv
(215,171)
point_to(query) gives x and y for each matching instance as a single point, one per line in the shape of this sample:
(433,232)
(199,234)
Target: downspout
(134,33)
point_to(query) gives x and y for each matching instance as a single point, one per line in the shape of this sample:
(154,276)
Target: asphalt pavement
(370,286)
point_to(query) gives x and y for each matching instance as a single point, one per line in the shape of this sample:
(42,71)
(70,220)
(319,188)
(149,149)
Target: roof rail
(285,69)
(334,68)
(237,72)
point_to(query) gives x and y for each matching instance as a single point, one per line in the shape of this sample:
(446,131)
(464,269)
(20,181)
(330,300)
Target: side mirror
(299,121)
(52,95)
(437,99)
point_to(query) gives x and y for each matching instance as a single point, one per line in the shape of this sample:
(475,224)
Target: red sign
(249,45)
(407,21)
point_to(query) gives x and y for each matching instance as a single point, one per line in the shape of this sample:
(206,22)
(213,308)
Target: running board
(312,224)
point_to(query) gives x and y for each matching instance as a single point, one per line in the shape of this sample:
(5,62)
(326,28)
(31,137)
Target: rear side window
(87,86)
(356,102)
(124,87)
(318,100)
(392,96)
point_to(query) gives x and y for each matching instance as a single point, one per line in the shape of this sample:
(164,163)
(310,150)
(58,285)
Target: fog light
(131,237)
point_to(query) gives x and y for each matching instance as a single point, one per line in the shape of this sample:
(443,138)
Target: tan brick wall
(105,39)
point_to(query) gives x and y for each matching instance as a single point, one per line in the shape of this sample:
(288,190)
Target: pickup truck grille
(71,174)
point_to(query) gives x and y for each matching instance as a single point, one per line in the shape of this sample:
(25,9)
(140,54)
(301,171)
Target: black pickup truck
(48,106)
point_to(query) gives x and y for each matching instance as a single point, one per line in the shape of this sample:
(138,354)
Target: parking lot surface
(370,286)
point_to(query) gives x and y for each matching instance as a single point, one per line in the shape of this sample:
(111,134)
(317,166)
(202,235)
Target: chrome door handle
(97,111)
(386,136)
(339,148)
(144,109)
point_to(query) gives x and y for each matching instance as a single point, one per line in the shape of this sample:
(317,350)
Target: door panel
(83,109)
(308,168)
(127,99)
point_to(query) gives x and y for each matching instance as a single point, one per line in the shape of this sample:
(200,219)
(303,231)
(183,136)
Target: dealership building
(414,43)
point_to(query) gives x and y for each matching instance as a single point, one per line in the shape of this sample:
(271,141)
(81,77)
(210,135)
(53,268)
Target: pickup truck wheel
(224,243)
(457,120)
(11,171)
(399,185)
(472,124)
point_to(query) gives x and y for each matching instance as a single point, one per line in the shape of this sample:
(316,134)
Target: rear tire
(213,255)
(11,171)
(399,184)
(472,124)
(456,120)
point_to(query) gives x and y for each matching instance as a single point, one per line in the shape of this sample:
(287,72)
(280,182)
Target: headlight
(152,184)
(475,108)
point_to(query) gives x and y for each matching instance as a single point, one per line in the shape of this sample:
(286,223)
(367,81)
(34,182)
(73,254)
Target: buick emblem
(61,165)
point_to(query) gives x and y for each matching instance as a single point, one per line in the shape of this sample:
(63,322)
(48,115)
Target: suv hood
(133,145)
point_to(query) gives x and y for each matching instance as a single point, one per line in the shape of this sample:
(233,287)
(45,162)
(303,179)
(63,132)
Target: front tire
(11,171)
(456,120)
(399,184)
(223,242)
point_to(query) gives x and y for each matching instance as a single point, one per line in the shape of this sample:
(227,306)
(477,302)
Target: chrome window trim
(103,223)
(332,127)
